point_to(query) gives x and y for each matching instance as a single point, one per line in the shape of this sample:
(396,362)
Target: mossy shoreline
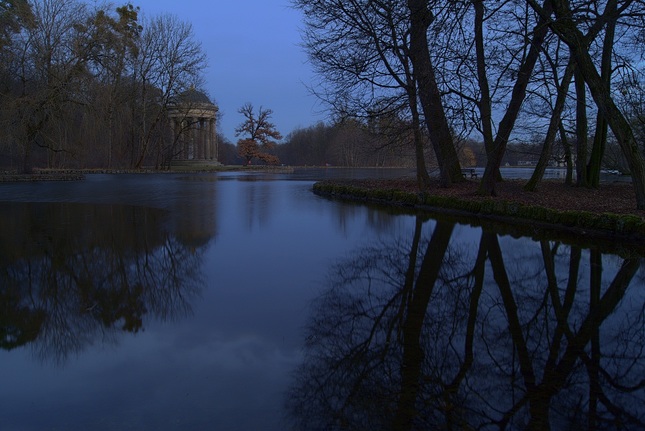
(508,217)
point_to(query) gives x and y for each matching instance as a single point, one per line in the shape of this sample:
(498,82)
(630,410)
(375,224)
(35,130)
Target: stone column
(193,140)
(173,132)
(185,139)
(207,139)
(200,140)
(212,137)
(176,135)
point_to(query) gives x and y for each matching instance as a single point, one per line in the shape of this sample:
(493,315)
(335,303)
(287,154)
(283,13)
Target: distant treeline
(89,85)
(352,143)
(349,143)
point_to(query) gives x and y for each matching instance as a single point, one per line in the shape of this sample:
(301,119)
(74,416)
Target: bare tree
(562,22)
(50,62)
(112,60)
(259,135)
(529,56)
(438,334)
(90,86)
(362,52)
(169,62)
(113,278)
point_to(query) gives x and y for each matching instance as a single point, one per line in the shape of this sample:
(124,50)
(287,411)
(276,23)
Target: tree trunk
(429,94)
(593,367)
(27,163)
(600,139)
(412,327)
(547,148)
(538,401)
(581,130)
(484,105)
(487,185)
(567,154)
(423,179)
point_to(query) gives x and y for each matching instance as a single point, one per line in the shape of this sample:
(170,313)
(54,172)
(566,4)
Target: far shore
(47,174)
(608,212)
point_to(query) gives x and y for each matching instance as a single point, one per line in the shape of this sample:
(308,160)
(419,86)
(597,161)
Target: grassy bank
(577,224)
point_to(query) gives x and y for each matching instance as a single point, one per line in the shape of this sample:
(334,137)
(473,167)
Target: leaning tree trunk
(429,94)
(556,116)
(413,324)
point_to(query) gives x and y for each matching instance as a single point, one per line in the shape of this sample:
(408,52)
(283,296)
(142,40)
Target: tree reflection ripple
(433,333)
(72,274)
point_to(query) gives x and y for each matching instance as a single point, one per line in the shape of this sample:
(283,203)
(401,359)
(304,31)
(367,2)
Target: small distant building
(193,121)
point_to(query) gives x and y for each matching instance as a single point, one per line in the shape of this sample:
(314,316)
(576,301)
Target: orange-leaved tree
(259,135)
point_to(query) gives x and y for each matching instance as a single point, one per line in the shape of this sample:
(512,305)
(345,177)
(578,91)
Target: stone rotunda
(193,124)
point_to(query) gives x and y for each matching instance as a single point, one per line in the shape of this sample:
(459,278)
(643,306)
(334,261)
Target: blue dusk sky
(254,56)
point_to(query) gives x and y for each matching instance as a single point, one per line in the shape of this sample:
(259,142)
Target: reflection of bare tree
(85,272)
(434,334)
(555,333)
(257,200)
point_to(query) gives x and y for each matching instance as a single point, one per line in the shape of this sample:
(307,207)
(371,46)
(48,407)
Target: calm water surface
(241,301)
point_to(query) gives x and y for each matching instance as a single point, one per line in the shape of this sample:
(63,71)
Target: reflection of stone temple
(193,125)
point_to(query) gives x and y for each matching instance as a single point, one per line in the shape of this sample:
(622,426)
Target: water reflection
(72,273)
(257,202)
(448,333)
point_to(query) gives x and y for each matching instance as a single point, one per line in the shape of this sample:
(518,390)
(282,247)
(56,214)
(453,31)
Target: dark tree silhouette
(259,135)
(436,334)
(106,272)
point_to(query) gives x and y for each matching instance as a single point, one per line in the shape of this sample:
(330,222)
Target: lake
(242,301)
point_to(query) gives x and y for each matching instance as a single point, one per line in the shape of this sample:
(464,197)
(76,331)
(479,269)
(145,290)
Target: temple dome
(192,96)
